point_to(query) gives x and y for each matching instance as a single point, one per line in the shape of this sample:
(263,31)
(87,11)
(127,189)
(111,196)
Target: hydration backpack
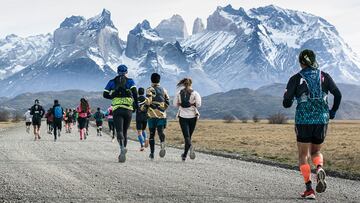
(120,87)
(185,98)
(159,94)
(312,106)
(58,112)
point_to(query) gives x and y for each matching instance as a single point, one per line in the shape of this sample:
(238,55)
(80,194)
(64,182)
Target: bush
(278,118)
(229,119)
(18,117)
(244,120)
(256,119)
(4,116)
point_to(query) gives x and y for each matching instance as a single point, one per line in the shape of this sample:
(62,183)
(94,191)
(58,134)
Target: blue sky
(25,17)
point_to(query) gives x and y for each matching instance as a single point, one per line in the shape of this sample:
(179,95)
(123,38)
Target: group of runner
(310,87)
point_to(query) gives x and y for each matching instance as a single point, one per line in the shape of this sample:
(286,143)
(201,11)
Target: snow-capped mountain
(198,26)
(260,46)
(82,56)
(173,29)
(149,53)
(16,52)
(238,48)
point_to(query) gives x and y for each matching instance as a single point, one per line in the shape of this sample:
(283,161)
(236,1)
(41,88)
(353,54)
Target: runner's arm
(108,89)
(290,92)
(197,100)
(176,101)
(334,90)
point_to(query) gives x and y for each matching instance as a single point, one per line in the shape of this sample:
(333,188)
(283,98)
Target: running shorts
(141,125)
(82,122)
(155,122)
(311,133)
(36,122)
(27,123)
(99,123)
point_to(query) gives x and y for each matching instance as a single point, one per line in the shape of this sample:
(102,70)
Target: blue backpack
(58,112)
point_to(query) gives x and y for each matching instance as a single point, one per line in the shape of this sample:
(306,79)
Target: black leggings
(187,127)
(111,127)
(122,120)
(160,130)
(57,127)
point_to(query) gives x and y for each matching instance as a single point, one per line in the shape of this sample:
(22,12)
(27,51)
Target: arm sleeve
(197,99)
(290,92)
(334,90)
(135,96)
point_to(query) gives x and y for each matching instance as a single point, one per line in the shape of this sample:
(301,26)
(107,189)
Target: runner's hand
(332,114)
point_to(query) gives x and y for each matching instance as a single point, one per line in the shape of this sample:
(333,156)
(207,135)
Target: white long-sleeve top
(28,116)
(192,111)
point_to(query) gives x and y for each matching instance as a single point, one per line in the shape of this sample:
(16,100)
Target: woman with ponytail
(84,111)
(188,101)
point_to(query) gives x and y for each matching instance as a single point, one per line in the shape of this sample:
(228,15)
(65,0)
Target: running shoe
(162,150)
(183,157)
(308,194)
(122,156)
(142,149)
(192,152)
(113,139)
(321,183)
(151,156)
(146,143)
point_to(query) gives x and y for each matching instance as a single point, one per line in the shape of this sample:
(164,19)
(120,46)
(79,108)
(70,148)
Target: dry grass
(4,125)
(274,142)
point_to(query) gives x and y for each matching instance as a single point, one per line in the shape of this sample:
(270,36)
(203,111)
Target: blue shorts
(155,122)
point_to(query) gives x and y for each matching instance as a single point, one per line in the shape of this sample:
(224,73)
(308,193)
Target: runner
(141,120)
(49,120)
(69,120)
(123,93)
(109,116)
(99,117)
(37,113)
(28,120)
(310,88)
(58,113)
(75,116)
(84,111)
(157,101)
(187,100)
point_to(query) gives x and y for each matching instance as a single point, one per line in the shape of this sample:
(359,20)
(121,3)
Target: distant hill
(241,103)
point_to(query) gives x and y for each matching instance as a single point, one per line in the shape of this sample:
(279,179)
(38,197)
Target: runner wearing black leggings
(123,93)
(187,100)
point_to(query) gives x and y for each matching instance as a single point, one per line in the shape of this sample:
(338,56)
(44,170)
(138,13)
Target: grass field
(274,142)
(4,125)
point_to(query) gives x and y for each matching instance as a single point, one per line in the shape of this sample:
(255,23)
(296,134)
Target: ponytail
(186,83)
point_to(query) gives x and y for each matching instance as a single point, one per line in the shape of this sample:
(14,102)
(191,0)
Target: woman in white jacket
(28,120)
(188,101)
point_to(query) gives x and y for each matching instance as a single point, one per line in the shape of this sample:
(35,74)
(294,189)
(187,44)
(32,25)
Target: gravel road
(71,170)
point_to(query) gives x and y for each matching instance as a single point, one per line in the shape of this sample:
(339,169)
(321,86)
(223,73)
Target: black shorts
(36,122)
(311,133)
(141,125)
(99,123)
(82,122)
(27,123)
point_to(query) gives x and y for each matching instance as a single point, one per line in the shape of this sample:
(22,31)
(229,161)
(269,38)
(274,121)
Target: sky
(31,17)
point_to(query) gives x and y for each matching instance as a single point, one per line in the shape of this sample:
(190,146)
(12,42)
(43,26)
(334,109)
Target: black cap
(155,78)
(307,57)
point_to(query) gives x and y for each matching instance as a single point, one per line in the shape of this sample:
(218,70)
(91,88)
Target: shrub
(278,118)
(256,119)
(4,116)
(244,120)
(229,119)
(17,117)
